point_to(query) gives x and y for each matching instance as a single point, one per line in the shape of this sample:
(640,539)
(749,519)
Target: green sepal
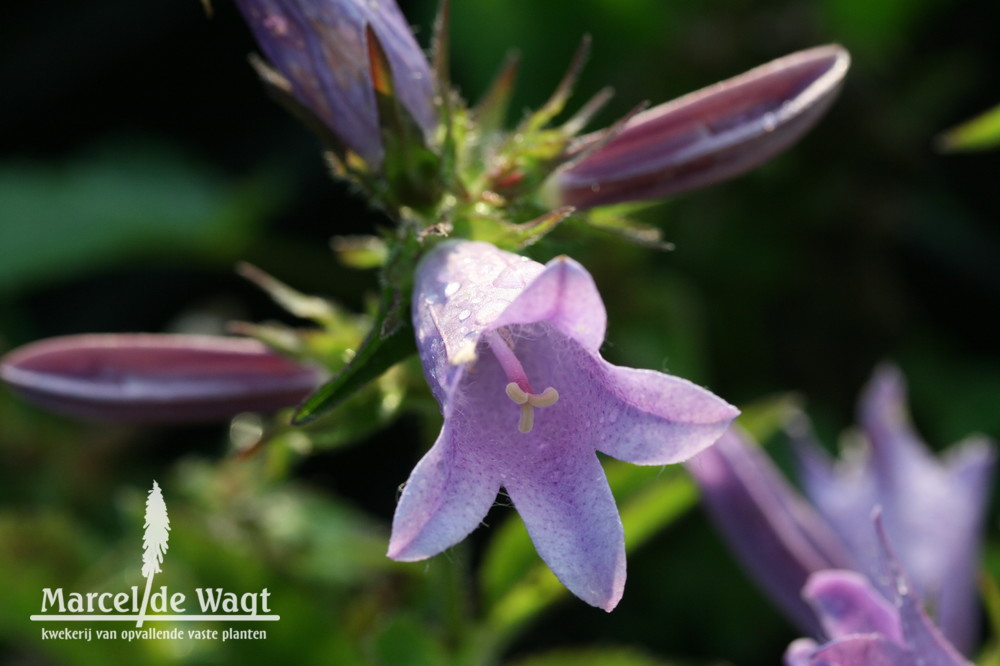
(389,341)
(509,236)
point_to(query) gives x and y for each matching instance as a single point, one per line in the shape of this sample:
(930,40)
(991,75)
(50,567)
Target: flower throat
(519,389)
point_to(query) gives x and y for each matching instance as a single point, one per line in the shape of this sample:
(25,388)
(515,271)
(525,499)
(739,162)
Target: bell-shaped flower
(932,510)
(865,627)
(149,378)
(511,351)
(321,49)
(706,136)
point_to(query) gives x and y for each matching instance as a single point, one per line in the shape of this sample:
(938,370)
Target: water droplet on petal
(451,288)
(463,315)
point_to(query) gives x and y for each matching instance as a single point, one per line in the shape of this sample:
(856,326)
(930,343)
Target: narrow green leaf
(979,133)
(389,341)
(323,312)
(377,354)
(561,95)
(490,113)
(510,236)
(609,221)
(990,591)
(766,417)
(360,252)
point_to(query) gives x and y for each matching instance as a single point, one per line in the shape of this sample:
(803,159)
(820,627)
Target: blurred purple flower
(493,330)
(320,48)
(146,378)
(865,628)
(710,135)
(934,511)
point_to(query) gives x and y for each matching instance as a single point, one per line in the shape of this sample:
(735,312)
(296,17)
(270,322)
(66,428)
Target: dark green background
(141,159)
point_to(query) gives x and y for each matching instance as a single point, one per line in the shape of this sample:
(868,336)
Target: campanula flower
(864,627)
(933,510)
(707,136)
(510,349)
(321,49)
(148,378)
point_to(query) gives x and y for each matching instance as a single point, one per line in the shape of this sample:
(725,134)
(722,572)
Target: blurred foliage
(980,133)
(127,208)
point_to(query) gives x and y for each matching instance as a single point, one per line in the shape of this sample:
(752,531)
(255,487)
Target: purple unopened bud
(146,378)
(320,48)
(709,135)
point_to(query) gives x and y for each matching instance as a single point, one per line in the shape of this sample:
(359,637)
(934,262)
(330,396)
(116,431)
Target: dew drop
(463,315)
(451,288)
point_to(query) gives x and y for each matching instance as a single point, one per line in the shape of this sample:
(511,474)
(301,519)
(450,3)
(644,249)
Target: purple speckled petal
(846,603)
(487,321)
(777,536)
(449,492)
(843,492)
(927,503)
(459,290)
(564,295)
(146,378)
(922,637)
(709,135)
(571,516)
(658,419)
(863,650)
(320,48)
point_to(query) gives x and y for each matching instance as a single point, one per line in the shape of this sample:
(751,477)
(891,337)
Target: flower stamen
(519,389)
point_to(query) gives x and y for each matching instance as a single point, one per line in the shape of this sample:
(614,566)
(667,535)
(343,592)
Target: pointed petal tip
(398,551)
(611,603)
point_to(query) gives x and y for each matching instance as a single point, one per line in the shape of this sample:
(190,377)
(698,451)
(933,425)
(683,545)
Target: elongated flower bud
(145,378)
(709,135)
(320,48)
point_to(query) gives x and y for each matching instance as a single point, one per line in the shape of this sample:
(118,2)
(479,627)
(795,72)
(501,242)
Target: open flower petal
(846,604)
(571,516)
(862,650)
(447,496)
(510,349)
(667,419)
(925,502)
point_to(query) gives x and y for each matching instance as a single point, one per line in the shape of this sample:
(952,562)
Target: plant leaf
(377,354)
(979,133)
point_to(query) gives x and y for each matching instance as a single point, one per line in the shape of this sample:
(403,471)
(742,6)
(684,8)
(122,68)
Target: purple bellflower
(866,628)
(707,136)
(320,48)
(149,378)
(510,349)
(932,510)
